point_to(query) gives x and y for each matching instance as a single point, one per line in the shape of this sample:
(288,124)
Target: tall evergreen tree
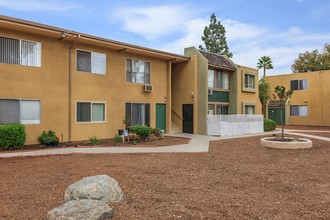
(215,38)
(265,62)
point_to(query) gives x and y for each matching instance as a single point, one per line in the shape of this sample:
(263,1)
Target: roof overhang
(72,36)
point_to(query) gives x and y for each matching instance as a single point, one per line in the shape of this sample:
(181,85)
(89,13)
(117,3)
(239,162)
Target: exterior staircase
(175,129)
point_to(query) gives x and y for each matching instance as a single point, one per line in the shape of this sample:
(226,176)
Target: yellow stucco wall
(246,96)
(50,82)
(316,97)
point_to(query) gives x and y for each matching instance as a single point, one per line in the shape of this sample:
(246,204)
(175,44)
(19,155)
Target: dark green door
(161,116)
(275,115)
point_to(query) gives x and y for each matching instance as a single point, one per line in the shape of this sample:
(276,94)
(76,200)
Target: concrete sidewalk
(197,144)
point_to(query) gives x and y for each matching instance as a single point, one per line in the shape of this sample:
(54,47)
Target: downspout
(70,88)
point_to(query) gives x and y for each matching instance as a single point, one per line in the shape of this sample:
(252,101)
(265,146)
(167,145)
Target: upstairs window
(249,81)
(137,71)
(20,52)
(218,79)
(91,62)
(300,84)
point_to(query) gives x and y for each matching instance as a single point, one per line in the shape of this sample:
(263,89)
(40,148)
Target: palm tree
(265,62)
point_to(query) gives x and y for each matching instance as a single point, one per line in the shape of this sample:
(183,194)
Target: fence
(231,125)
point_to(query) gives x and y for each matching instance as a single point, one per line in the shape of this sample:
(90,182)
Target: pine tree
(215,38)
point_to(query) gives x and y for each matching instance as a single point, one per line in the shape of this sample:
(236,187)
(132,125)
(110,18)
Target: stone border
(303,143)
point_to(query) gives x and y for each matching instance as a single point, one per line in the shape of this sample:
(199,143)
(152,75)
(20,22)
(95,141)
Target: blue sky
(280,29)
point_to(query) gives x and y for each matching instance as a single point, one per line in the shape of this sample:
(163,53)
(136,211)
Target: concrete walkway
(197,144)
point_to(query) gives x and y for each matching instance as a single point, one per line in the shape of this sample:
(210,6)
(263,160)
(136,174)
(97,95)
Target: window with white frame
(91,62)
(218,79)
(300,84)
(218,109)
(249,109)
(137,113)
(298,110)
(20,52)
(137,71)
(19,111)
(249,81)
(90,112)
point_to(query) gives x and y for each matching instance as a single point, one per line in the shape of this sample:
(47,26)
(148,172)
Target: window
(249,109)
(249,81)
(137,113)
(91,62)
(137,71)
(218,79)
(21,52)
(217,109)
(90,112)
(19,111)
(298,110)
(298,84)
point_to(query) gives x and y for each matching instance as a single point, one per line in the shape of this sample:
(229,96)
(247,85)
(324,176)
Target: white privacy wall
(232,125)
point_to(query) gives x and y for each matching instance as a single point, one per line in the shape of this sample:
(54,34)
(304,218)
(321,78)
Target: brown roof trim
(125,46)
(219,61)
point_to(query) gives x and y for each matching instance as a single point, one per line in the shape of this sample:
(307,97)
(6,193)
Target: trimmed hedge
(269,125)
(48,138)
(12,136)
(142,131)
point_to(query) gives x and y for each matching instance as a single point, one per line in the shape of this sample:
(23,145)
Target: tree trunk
(281,109)
(264,106)
(264,72)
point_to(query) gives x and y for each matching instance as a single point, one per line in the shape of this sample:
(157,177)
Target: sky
(281,29)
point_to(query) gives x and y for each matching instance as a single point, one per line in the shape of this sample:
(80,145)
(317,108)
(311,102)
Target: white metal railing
(231,125)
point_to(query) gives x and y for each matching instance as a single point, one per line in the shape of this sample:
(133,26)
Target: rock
(101,187)
(81,209)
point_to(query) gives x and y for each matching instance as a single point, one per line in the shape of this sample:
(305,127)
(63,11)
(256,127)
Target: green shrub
(118,138)
(94,140)
(142,131)
(48,138)
(12,136)
(269,125)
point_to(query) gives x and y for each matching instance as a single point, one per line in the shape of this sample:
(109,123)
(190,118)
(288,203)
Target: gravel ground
(237,179)
(322,134)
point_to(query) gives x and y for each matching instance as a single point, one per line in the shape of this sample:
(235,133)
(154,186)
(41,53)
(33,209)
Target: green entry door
(275,115)
(161,116)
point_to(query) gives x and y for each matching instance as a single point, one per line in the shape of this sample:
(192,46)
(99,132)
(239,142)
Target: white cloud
(27,5)
(153,22)
(236,30)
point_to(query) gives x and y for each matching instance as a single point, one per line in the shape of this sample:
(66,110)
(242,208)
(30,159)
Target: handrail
(176,114)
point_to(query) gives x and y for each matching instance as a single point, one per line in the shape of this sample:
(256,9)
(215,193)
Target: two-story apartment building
(309,104)
(81,85)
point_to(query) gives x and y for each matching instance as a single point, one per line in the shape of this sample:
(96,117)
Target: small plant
(118,138)
(12,136)
(158,132)
(142,131)
(135,142)
(269,125)
(48,138)
(94,140)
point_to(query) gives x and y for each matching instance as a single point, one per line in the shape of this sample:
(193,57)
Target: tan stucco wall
(316,97)
(49,83)
(183,85)
(244,96)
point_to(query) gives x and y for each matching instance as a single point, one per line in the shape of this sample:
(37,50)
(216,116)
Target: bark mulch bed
(152,142)
(237,179)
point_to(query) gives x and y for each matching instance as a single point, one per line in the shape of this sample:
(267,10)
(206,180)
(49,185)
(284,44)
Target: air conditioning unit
(147,88)
(210,92)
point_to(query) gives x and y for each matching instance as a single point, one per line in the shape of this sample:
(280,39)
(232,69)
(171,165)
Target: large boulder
(81,209)
(101,187)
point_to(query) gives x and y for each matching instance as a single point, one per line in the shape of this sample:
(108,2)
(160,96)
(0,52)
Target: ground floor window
(90,112)
(249,109)
(19,111)
(137,113)
(218,109)
(298,110)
